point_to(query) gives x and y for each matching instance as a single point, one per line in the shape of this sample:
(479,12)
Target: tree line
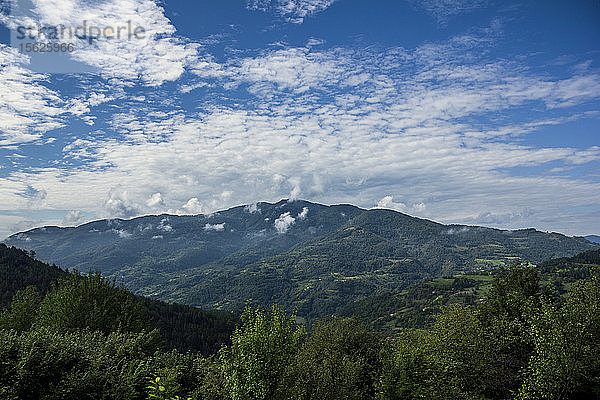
(87,338)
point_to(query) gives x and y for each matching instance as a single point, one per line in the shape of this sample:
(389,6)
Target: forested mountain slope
(416,306)
(310,256)
(182,327)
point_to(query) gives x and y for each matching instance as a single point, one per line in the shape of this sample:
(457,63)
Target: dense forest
(84,337)
(181,327)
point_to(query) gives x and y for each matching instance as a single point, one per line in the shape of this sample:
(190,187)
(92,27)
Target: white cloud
(28,108)
(295,193)
(284,222)
(73,218)
(119,204)
(164,225)
(426,126)
(193,206)
(152,57)
(155,200)
(295,69)
(302,215)
(291,10)
(123,234)
(442,10)
(454,231)
(214,227)
(252,208)
(389,203)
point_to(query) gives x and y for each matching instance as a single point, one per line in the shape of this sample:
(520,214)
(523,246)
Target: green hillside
(417,306)
(324,258)
(86,338)
(181,327)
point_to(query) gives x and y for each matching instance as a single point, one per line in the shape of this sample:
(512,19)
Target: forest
(83,337)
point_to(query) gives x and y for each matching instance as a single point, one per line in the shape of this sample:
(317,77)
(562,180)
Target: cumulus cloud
(388,203)
(155,200)
(123,234)
(215,227)
(193,206)
(118,204)
(151,58)
(302,215)
(252,208)
(164,225)
(284,222)
(73,218)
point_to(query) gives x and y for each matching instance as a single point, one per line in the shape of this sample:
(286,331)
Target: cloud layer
(437,130)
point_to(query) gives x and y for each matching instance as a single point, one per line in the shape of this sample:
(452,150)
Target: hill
(308,256)
(182,327)
(593,238)
(416,306)
(18,269)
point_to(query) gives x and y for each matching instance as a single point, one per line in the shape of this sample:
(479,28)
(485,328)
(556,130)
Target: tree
(23,310)
(257,365)
(408,372)
(92,302)
(566,359)
(515,294)
(458,348)
(340,360)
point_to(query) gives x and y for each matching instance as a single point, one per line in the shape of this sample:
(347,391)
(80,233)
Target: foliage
(78,300)
(523,341)
(159,389)
(23,310)
(45,364)
(257,364)
(407,371)
(92,302)
(19,269)
(566,338)
(339,360)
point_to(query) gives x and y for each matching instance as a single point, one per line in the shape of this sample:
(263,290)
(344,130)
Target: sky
(475,112)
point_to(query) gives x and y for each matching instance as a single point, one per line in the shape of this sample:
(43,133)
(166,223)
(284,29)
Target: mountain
(307,256)
(593,238)
(182,327)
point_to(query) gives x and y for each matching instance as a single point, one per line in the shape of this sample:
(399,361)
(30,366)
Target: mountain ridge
(593,238)
(309,256)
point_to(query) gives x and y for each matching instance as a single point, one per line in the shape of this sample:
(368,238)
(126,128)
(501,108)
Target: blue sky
(471,111)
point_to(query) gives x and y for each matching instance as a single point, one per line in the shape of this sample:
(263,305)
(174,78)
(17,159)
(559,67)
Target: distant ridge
(593,238)
(304,255)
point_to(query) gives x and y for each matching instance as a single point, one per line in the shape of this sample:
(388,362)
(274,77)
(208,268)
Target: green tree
(23,310)
(566,359)
(515,294)
(92,302)
(458,348)
(257,364)
(340,360)
(408,372)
